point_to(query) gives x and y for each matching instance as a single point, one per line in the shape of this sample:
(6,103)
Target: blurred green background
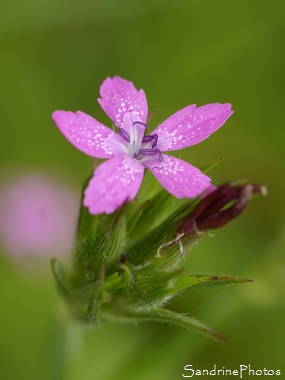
(55,55)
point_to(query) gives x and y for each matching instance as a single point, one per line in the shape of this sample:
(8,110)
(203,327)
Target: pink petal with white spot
(114,182)
(119,97)
(87,134)
(178,177)
(191,125)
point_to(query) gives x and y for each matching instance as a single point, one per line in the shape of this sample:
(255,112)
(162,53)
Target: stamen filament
(177,238)
(140,122)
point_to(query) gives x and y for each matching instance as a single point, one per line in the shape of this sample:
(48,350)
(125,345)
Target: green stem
(65,349)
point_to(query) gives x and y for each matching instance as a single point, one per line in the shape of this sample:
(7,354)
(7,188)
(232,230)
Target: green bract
(127,265)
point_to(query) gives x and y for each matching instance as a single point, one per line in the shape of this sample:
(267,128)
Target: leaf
(117,281)
(111,281)
(166,316)
(211,165)
(95,301)
(59,276)
(150,286)
(102,246)
(145,249)
(154,212)
(191,282)
(132,221)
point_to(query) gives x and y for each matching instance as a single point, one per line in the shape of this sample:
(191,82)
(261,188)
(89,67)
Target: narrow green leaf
(166,316)
(135,217)
(126,275)
(102,247)
(211,165)
(151,286)
(154,212)
(117,280)
(59,276)
(111,281)
(146,248)
(191,282)
(95,301)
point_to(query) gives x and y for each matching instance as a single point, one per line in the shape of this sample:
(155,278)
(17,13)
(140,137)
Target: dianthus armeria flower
(131,149)
(37,217)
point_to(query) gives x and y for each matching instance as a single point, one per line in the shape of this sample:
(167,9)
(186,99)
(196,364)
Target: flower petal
(209,190)
(87,134)
(114,182)
(178,177)
(119,97)
(191,125)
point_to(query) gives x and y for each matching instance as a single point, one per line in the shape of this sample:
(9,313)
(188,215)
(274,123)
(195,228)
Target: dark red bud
(219,207)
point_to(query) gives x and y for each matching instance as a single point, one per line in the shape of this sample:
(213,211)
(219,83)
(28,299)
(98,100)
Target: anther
(141,123)
(150,152)
(150,138)
(155,137)
(147,138)
(124,134)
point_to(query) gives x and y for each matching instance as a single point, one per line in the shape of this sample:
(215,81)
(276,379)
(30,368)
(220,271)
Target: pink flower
(131,150)
(37,217)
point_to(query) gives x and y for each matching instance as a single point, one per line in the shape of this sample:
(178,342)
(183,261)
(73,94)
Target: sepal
(190,282)
(127,265)
(100,241)
(165,316)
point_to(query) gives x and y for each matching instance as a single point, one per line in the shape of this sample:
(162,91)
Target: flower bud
(219,207)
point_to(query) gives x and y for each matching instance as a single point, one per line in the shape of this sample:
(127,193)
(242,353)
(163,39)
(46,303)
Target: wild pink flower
(131,150)
(37,217)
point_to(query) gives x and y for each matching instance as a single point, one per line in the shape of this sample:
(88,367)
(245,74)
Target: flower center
(134,141)
(141,150)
